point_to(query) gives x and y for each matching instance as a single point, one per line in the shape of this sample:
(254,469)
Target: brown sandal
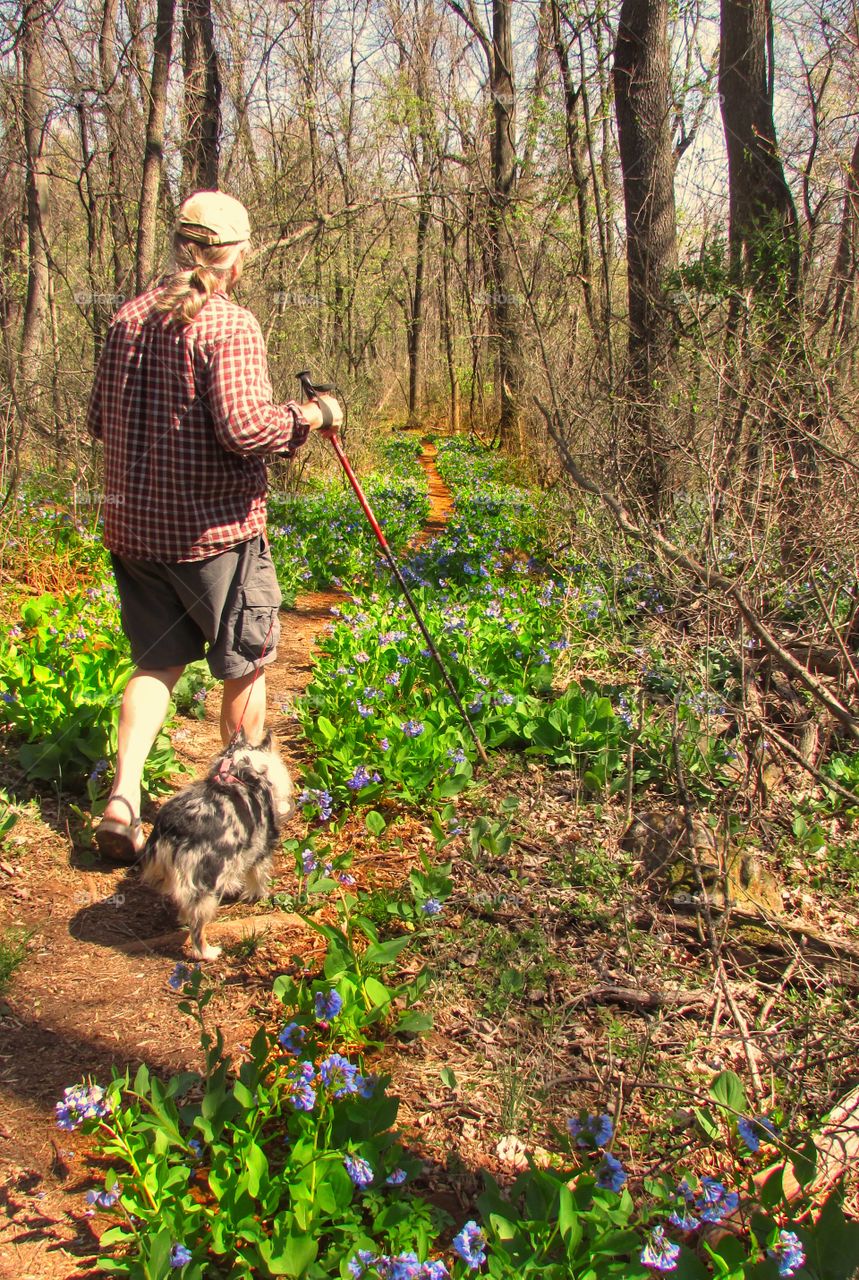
(119,840)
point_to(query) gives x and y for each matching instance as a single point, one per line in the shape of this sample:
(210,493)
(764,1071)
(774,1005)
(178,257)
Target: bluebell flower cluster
(359,1171)
(300,1080)
(412,728)
(180,975)
(470,1245)
(432,907)
(403,1266)
(660,1253)
(292,1037)
(318,797)
(611,1174)
(714,1201)
(753,1132)
(179,1256)
(104,1199)
(81,1102)
(339,1075)
(362,778)
(592,1131)
(327,1005)
(787,1252)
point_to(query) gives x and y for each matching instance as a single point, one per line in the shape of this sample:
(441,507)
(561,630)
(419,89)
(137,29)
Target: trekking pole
(312,391)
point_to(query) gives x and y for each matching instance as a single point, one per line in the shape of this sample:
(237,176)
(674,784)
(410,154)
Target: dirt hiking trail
(92,993)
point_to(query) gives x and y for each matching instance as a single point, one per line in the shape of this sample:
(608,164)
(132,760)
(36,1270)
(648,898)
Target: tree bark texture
(34,102)
(153,154)
(643,105)
(576,152)
(417,313)
(202,99)
(846,263)
(507,296)
(763,220)
(111,112)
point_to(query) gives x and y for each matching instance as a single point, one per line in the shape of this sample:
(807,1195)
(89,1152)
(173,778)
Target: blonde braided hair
(198,271)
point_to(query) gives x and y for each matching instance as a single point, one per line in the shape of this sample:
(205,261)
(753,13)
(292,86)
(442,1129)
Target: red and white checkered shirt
(185,413)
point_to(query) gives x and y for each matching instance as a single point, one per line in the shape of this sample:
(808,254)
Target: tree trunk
(574,153)
(447,322)
(643,103)
(113,129)
(763,222)
(417,312)
(153,154)
(34,104)
(846,263)
(201,99)
(765,267)
(507,296)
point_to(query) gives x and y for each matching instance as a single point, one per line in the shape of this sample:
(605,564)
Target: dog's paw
(206,952)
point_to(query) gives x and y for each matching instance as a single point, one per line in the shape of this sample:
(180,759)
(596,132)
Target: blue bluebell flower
(180,975)
(81,1102)
(611,1174)
(319,797)
(412,728)
(361,1263)
(592,1131)
(366,1086)
(432,907)
(359,1170)
(754,1131)
(396,1178)
(787,1252)
(659,1252)
(715,1202)
(470,1245)
(681,1218)
(104,1199)
(302,1095)
(179,1255)
(384,745)
(339,1075)
(292,1037)
(308,861)
(327,1005)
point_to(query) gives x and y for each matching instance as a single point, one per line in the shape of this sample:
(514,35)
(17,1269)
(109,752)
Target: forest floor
(558,982)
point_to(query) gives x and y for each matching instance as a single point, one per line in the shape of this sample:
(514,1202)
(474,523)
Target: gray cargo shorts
(223,609)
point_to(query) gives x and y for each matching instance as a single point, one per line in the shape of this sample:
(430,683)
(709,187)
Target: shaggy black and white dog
(216,838)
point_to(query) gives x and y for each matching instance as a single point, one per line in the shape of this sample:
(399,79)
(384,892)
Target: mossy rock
(689,866)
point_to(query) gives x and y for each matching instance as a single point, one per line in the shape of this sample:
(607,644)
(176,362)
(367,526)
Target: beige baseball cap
(213,218)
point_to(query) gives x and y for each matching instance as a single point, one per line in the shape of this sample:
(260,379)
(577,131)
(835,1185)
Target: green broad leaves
(62,672)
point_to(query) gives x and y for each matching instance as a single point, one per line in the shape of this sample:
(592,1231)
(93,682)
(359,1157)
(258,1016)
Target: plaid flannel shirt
(185,414)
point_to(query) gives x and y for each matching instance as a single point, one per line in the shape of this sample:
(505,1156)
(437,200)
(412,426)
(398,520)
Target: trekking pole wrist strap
(327,415)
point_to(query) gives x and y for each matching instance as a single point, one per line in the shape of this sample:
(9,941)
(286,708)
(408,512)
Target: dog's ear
(240,739)
(267,742)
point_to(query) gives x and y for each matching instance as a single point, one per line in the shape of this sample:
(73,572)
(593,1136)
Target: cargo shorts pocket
(258,624)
